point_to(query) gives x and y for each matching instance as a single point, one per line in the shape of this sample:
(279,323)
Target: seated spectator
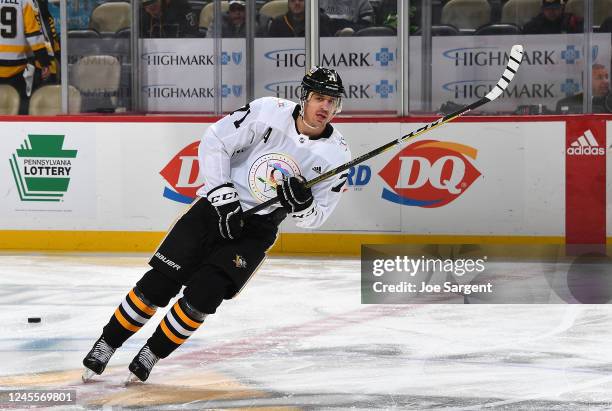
(292,24)
(233,23)
(600,87)
(167,18)
(553,20)
(354,14)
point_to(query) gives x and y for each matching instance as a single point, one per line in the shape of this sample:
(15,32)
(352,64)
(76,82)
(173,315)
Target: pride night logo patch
(429,173)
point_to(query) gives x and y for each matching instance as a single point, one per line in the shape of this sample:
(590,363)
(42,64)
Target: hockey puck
(34,319)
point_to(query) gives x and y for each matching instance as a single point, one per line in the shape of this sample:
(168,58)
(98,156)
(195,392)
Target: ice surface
(298,337)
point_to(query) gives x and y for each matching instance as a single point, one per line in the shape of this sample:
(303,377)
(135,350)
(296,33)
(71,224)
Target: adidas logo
(586,145)
(317,169)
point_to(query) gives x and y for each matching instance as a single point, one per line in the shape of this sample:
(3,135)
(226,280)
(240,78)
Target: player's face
(319,109)
(601,83)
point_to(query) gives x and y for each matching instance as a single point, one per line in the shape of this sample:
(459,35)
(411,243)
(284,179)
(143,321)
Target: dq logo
(182,174)
(429,174)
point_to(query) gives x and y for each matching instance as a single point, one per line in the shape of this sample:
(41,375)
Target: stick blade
(514,61)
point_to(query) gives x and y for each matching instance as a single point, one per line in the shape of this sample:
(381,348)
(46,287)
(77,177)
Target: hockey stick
(514,61)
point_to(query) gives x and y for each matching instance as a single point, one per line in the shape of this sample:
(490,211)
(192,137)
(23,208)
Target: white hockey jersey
(258,144)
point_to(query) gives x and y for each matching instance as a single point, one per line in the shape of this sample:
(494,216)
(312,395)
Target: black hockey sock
(129,317)
(179,323)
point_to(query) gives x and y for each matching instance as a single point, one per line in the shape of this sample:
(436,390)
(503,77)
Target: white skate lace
(102,351)
(147,358)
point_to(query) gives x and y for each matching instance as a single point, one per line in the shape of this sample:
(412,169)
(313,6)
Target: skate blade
(131,379)
(87,375)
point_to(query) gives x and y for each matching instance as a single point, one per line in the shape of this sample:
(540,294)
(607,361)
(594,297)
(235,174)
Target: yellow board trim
(287,243)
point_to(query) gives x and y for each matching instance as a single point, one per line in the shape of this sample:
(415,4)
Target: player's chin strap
(304,120)
(514,61)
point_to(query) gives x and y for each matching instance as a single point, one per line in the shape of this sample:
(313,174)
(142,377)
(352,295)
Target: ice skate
(95,361)
(142,364)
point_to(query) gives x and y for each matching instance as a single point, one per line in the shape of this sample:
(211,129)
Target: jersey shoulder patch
(273,111)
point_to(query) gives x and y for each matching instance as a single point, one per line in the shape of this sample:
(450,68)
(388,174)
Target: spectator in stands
(553,20)
(233,23)
(167,19)
(353,14)
(600,87)
(292,24)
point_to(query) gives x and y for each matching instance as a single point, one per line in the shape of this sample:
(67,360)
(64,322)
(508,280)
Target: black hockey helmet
(324,81)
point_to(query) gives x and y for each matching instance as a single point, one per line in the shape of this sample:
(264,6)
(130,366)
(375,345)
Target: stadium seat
(47,101)
(207,13)
(520,12)
(345,32)
(375,31)
(111,17)
(466,14)
(9,100)
(123,33)
(602,9)
(498,29)
(274,8)
(97,78)
(83,34)
(441,30)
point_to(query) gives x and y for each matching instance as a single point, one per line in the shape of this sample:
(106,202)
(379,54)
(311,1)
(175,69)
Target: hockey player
(20,35)
(267,148)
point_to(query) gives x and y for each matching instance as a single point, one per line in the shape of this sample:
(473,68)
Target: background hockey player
(21,35)
(265,149)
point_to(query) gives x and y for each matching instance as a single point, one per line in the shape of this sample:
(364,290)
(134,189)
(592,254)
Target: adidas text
(586,144)
(589,151)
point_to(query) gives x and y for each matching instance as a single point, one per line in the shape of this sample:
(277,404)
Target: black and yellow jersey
(21,35)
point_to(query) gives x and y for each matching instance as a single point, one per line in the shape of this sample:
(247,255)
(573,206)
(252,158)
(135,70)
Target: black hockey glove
(224,199)
(294,195)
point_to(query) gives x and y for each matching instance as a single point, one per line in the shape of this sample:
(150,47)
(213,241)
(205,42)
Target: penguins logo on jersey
(266,171)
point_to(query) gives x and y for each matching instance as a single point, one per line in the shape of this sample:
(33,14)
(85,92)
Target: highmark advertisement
(178,75)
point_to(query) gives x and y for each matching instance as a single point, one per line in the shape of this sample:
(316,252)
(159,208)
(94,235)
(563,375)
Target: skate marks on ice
(186,380)
(298,337)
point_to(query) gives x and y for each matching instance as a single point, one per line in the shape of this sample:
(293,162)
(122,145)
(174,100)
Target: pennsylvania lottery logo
(41,168)
(429,174)
(182,174)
